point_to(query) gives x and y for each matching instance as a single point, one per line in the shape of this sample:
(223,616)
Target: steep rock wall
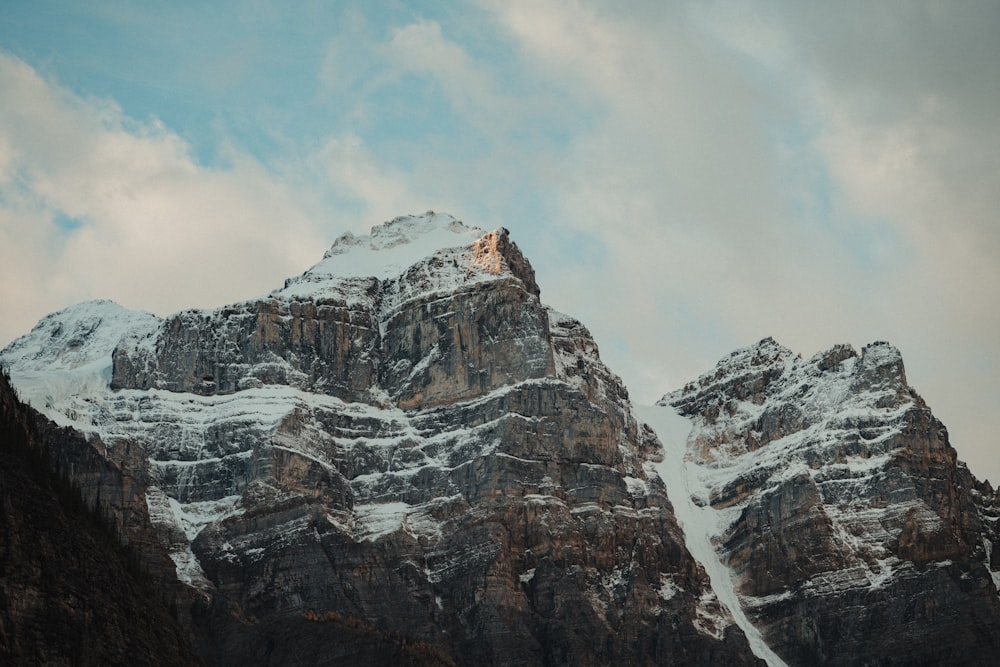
(426,465)
(851,528)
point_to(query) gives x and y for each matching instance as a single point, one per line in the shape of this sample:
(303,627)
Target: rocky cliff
(853,533)
(70,594)
(401,455)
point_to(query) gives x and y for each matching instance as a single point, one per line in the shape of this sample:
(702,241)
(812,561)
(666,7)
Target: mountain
(852,532)
(402,456)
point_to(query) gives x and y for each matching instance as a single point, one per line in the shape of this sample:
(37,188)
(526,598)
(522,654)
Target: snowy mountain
(403,442)
(402,455)
(852,533)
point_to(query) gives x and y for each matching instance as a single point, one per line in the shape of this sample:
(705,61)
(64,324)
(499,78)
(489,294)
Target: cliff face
(854,533)
(402,456)
(451,326)
(69,593)
(399,455)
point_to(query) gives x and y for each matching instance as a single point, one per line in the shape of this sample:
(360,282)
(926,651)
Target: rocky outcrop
(69,593)
(317,345)
(452,326)
(854,533)
(398,456)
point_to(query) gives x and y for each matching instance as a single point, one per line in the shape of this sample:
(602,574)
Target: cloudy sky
(687,178)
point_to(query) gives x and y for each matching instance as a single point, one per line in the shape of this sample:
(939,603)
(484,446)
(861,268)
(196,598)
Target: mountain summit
(403,456)
(460,254)
(852,532)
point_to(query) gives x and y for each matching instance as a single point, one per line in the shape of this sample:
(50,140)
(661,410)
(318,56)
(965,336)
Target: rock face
(854,534)
(400,456)
(451,326)
(69,594)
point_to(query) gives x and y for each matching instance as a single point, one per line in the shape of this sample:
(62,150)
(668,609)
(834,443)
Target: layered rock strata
(396,454)
(854,534)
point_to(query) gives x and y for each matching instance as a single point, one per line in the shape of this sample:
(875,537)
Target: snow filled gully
(698,523)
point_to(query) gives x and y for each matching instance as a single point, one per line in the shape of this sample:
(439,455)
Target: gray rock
(858,537)
(424,466)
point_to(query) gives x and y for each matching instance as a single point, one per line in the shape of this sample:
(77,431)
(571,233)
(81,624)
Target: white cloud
(151,227)
(156,230)
(678,180)
(380,191)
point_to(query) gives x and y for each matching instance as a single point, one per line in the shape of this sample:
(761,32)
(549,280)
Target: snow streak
(698,523)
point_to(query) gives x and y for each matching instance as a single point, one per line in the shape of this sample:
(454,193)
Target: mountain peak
(433,230)
(448,248)
(753,366)
(882,365)
(393,246)
(77,335)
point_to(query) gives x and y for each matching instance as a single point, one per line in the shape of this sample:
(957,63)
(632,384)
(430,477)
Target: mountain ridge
(405,439)
(835,487)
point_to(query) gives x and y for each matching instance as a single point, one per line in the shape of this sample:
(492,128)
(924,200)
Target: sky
(685,177)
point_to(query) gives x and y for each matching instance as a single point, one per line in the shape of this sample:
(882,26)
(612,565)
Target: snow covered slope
(64,364)
(699,521)
(388,251)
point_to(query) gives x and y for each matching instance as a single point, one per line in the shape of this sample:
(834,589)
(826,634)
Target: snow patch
(193,517)
(637,488)
(994,575)
(376,520)
(668,589)
(711,618)
(189,570)
(388,251)
(65,360)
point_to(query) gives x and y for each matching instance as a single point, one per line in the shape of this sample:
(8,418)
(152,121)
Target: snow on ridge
(815,410)
(405,229)
(881,353)
(66,357)
(76,336)
(837,388)
(388,250)
(763,419)
(766,353)
(745,361)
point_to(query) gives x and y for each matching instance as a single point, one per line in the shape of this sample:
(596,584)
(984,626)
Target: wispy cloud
(156,230)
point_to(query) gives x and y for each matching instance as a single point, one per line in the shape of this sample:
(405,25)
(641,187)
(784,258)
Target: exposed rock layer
(427,464)
(854,532)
